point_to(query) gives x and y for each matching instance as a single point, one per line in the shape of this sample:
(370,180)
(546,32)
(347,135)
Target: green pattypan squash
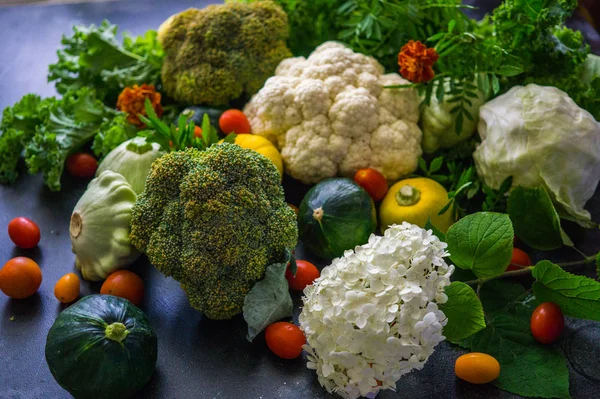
(132,159)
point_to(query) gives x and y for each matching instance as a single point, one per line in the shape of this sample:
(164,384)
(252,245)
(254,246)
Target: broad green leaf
(534,218)
(527,368)
(510,70)
(436,232)
(463,310)
(481,242)
(495,84)
(268,301)
(577,296)
(498,294)
(462,275)
(436,164)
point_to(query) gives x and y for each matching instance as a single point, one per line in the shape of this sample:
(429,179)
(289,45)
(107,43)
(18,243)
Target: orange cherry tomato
(198,132)
(285,339)
(24,232)
(124,284)
(234,121)
(66,289)
(373,182)
(518,260)
(294,208)
(477,368)
(306,273)
(82,165)
(547,323)
(20,277)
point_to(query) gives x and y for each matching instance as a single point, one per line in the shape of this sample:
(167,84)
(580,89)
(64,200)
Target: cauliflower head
(329,115)
(541,137)
(222,52)
(214,221)
(373,316)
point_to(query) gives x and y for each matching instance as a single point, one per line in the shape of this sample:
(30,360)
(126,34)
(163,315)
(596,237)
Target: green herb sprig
(183,135)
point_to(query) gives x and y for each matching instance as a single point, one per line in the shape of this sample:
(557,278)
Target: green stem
(117,332)
(408,196)
(139,145)
(528,270)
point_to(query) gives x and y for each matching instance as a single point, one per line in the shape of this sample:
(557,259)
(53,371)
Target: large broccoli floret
(222,52)
(214,221)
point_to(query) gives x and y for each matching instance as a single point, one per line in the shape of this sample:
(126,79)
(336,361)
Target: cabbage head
(540,137)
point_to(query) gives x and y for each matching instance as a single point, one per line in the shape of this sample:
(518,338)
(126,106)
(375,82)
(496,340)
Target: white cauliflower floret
(373,316)
(329,115)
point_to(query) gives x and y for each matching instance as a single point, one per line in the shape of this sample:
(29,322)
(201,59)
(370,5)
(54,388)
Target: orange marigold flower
(416,62)
(132,99)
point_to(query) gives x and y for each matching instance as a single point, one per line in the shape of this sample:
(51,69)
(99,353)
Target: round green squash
(336,215)
(102,347)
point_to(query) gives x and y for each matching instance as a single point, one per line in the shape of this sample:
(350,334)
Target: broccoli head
(214,220)
(222,52)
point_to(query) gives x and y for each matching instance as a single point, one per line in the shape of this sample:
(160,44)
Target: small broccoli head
(214,221)
(222,52)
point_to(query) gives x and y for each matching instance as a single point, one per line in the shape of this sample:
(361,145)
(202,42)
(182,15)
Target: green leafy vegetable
(534,218)
(113,133)
(268,301)
(16,130)
(93,57)
(577,296)
(463,310)
(72,122)
(481,242)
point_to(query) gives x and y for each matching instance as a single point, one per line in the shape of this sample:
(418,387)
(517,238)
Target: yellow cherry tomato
(66,289)
(477,368)
(414,201)
(263,146)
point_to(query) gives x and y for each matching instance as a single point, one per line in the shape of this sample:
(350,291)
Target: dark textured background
(198,358)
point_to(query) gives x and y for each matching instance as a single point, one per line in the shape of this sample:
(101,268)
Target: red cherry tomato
(547,323)
(519,258)
(82,165)
(373,182)
(20,277)
(285,339)
(124,284)
(305,275)
(24,232)
(234,121)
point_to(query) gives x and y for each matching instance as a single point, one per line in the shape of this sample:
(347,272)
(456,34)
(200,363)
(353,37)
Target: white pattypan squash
(99,228)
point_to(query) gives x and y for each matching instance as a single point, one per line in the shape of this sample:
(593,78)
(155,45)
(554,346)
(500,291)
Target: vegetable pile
(442,152)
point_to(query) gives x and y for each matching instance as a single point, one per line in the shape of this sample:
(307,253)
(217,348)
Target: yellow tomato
(477,368)
(414,201)
(263,146)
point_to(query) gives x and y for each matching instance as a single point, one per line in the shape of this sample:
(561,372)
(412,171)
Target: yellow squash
(415,201)
(263,146)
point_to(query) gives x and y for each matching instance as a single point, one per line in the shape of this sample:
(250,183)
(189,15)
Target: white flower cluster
(372,316)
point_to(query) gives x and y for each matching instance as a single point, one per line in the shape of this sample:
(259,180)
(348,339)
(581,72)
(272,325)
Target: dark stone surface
(198,358)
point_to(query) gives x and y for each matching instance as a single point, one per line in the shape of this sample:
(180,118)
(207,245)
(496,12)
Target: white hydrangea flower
(372,316)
